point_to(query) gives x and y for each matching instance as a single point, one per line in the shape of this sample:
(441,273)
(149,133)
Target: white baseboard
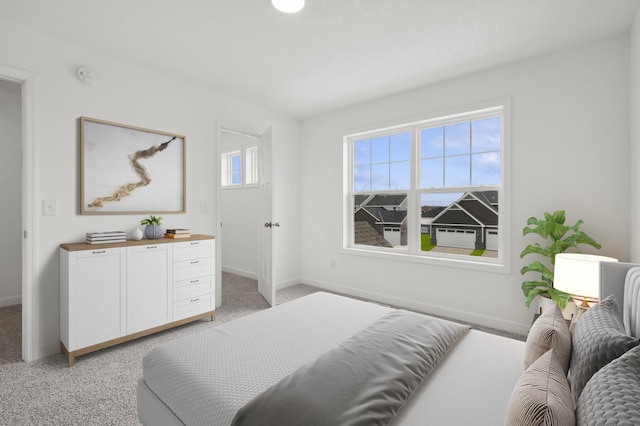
(469,317)
(10,301)
(288,283)
(240,272)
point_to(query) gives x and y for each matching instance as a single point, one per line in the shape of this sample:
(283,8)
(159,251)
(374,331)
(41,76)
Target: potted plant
(152,231)
(558,238)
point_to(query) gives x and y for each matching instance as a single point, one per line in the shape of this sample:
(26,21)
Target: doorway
(245,243)
(239,205)
(11,213)
(26,202)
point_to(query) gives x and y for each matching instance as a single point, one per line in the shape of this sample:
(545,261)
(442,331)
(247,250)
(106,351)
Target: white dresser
(113,293)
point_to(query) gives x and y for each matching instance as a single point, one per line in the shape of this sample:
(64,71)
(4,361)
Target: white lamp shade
(579,274)
(288,6)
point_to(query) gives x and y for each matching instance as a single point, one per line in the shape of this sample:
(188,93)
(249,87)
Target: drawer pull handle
(195,243)
(194,281)
(152,247)
(193,262)
(195,300)
(99,251)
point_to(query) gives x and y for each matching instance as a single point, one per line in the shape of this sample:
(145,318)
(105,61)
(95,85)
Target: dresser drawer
(193,250)
(193,306)
(191,288)
(189,269)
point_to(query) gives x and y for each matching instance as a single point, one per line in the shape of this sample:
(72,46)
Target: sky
(451,156)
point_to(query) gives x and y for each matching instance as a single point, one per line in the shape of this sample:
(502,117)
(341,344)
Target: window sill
(495,265)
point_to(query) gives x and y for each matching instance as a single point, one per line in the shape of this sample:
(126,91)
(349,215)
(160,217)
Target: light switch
(49,207)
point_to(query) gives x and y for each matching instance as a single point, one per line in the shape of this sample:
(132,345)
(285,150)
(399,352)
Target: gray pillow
(612,396)
(598,339)
(542,396)
(550,330)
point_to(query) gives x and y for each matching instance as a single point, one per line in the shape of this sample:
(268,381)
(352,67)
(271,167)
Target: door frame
(29,192)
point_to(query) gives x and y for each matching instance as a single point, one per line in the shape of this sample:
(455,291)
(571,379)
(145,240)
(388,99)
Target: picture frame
(130,170)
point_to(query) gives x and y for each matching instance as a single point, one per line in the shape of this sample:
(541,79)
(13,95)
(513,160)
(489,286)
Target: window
(431,189)
(232,168)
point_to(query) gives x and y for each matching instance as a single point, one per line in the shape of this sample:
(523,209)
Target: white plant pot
(137,234)
(545,303)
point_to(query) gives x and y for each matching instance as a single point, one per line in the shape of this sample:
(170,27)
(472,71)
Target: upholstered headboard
(622,280)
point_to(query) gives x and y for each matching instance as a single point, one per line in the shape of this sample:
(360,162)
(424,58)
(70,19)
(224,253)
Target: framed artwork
(126,169)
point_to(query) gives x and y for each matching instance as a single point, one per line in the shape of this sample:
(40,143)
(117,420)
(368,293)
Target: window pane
(362,178)
(460,223)
(380,150)
(400,175)
(456,171)
(380,176)
(431,205)
(485,169)
(231,163)
(486,135)
(236,178)
(431,173)
(235,162)
(380,220)
(400,147)
(362,152)
(457,139)
(432,142)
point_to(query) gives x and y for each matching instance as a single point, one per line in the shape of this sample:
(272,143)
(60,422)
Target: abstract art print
(126,169)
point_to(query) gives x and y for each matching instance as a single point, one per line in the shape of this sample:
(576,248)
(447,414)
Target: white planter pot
(545,303)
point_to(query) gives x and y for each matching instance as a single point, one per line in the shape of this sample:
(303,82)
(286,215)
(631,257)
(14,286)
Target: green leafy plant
(152,220)
(558,237)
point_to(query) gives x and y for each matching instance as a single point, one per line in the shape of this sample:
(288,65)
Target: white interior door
(267,232)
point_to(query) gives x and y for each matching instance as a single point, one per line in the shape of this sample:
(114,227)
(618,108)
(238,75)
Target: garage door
(459,238)
(492,240)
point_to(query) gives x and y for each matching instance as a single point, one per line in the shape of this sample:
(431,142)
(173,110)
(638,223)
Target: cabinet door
(96,296)
(149,289)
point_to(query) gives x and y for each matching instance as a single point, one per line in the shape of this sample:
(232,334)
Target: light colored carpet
(10,334)
(101,388)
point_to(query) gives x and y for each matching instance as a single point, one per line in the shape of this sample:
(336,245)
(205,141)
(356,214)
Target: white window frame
(249,167)
(251,163)
(227,168)
(412,253)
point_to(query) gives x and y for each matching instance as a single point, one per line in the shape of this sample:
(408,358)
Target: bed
(302,362)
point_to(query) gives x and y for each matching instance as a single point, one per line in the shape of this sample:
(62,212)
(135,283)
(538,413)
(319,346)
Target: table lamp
(579,275)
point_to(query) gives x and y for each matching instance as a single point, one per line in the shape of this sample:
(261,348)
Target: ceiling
(332,54)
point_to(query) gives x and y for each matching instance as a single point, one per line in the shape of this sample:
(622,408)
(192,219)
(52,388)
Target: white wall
(569,148)
(10,193)
(239,218)
(128,94)
(634,156)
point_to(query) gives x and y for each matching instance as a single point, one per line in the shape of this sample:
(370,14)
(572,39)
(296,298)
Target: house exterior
(471,222)
(386,214)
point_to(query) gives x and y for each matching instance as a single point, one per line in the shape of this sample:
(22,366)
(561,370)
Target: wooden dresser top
(131,243)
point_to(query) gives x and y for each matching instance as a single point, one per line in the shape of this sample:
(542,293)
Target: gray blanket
(364,381)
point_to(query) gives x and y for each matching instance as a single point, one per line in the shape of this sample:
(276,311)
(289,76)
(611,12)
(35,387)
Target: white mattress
(205,378)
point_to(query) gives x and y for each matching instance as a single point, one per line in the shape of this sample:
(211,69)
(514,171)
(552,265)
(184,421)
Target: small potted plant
(558,237)
(152,231)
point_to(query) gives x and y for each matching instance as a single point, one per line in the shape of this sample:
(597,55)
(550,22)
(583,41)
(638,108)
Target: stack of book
(177,233)
(106,237)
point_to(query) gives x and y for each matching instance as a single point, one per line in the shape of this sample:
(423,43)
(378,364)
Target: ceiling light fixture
(288,6)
